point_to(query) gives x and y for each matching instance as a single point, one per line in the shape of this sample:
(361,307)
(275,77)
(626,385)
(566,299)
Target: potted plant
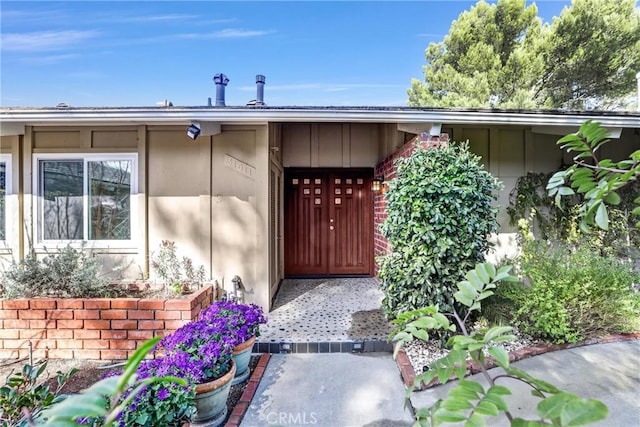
(161,403)
(242,322)
(199,352)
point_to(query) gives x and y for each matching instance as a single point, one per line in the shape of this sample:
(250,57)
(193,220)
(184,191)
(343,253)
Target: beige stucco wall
(179,193)
(240,210)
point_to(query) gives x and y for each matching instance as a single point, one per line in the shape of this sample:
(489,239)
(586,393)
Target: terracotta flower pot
(211,400)
(242,357)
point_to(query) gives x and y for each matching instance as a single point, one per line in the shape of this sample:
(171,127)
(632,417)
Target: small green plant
(25,394)
(179,274)
(103,402)
(440,214)
(575,293)
(469,402)
(67,273)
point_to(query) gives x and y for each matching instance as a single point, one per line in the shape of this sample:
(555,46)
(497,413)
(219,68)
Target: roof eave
(133,116)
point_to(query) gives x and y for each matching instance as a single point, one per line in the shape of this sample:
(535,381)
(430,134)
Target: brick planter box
(91,328)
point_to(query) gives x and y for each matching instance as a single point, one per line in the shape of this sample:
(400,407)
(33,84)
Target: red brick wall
(387,170)
(98,328)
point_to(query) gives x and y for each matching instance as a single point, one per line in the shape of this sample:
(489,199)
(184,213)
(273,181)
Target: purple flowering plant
(197,352)
(242,321)
(208,346)
(162,404)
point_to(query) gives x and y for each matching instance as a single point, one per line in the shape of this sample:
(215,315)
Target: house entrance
(328,222)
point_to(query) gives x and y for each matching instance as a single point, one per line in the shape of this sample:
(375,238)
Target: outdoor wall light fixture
(376,184)
(193,130)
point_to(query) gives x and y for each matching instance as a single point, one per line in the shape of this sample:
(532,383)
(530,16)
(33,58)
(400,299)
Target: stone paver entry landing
(326,316)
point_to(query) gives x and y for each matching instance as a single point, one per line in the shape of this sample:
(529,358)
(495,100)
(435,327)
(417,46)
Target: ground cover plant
(440,215)
(469,402)
(24,395)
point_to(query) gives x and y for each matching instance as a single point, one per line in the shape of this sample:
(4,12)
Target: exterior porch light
(193,130)
(376,184)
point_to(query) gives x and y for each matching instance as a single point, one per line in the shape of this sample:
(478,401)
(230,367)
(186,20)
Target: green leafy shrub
(69,273)
(468,403)
(440,214)
(576,294)
(507,298)
(25,395)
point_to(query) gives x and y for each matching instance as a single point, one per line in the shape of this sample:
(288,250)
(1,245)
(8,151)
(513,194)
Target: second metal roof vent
(260,79)
(221,81)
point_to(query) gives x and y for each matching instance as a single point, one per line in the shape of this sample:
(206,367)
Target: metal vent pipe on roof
(260,79)
(221,81)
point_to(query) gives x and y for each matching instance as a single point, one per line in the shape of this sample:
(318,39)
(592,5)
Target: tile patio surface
(325,315)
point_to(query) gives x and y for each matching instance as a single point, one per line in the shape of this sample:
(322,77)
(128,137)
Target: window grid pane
(110,200)
(62,199)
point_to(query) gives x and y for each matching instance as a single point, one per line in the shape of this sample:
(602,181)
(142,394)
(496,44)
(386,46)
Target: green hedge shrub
(440,214)
(576,293)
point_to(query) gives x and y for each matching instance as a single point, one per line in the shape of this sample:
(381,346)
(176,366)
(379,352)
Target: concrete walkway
(345,390)
(607,372)
(329,390)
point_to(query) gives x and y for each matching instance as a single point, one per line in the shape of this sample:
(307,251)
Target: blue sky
(126,53)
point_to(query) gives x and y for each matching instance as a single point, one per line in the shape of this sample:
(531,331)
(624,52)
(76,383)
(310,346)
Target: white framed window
(5,191)
(85,198)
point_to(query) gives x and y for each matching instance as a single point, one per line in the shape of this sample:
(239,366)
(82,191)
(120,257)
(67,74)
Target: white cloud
(44,40)
(227,33)
(161,18)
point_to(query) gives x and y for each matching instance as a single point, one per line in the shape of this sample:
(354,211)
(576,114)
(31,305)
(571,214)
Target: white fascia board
(11,128)
(614,132)
(181,116)
(418,128)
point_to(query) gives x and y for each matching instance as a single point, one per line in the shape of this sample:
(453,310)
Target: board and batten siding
(330,145)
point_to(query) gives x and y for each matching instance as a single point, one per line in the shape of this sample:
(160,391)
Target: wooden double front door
(328,222)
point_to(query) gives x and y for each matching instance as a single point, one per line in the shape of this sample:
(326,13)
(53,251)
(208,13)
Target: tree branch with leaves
(598,180)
